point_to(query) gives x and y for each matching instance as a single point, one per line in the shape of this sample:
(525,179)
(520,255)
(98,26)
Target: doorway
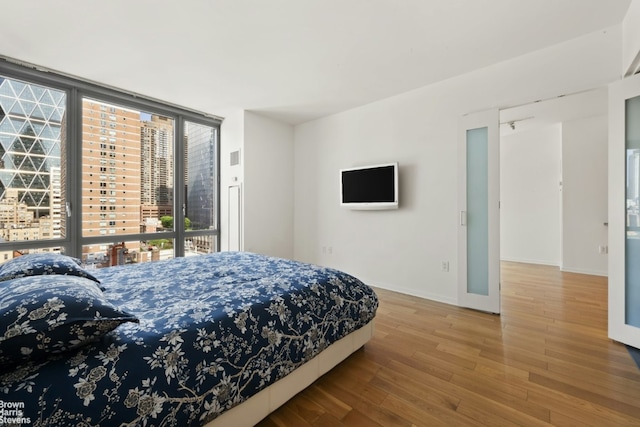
(535,192)
(553,183)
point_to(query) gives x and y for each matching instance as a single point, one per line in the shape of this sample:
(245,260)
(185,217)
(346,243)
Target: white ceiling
(293,60)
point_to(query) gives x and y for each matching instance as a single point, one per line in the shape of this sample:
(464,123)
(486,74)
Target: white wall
(585,194)
(265,175)
(268,186)
(403,249)
(530,175)
(231,139)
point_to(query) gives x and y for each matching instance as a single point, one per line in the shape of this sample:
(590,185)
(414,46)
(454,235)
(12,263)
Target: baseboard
(529,261)
(413,292)
(585,271)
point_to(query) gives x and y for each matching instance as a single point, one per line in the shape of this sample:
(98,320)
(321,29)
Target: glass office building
(31,121)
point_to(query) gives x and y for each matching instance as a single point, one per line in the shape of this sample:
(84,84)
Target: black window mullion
(73,210)
(179,184)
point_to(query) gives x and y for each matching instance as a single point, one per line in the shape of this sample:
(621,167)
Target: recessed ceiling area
(291,60)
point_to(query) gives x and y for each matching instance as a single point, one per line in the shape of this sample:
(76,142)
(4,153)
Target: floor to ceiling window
(201,212)
(32,129)
(101,175)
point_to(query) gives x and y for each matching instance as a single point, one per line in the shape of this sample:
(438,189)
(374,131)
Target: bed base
(257,407)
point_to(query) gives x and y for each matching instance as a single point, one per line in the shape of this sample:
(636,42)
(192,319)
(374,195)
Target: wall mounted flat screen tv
(370,187)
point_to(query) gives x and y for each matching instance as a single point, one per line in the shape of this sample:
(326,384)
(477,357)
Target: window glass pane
(123,253)
(127,170)
(200,144)
(32,172)
(200,245)
(477,211)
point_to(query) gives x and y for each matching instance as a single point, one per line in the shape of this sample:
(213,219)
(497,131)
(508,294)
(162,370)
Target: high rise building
(156,167)
(110,173)
(201,167)
(20,224)
(55,197)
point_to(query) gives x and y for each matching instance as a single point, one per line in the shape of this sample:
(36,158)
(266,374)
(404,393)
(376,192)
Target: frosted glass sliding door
(477,211)
(632,205)
(478,199)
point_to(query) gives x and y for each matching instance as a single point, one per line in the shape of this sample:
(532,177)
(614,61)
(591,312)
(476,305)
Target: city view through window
(127,178)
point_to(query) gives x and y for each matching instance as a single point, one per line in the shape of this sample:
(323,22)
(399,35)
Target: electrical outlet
(445,266)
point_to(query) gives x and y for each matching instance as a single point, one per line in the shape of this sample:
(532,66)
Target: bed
(220,339)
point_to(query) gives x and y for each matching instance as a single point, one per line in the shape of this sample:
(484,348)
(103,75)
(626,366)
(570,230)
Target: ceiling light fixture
(512,123)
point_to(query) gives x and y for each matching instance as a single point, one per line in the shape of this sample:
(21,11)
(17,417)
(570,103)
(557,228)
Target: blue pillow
(50,314)
(43,263)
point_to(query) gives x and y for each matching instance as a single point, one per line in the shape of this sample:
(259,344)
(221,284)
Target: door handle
(463,218)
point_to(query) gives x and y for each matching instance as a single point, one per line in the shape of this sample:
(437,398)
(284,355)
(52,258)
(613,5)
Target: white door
(624,211)
(479,214)
(234,243)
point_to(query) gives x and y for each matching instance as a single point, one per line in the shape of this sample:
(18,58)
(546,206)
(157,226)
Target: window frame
(76,90)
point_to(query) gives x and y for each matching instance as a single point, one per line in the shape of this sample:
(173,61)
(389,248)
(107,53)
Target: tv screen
(370,187)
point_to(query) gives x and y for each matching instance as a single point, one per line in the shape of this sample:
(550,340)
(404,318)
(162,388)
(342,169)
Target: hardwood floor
(546,360)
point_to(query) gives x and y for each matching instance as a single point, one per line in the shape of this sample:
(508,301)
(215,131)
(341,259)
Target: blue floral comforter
(213,331)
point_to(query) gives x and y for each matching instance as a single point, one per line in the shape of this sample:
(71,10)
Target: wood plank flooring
(546,360)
